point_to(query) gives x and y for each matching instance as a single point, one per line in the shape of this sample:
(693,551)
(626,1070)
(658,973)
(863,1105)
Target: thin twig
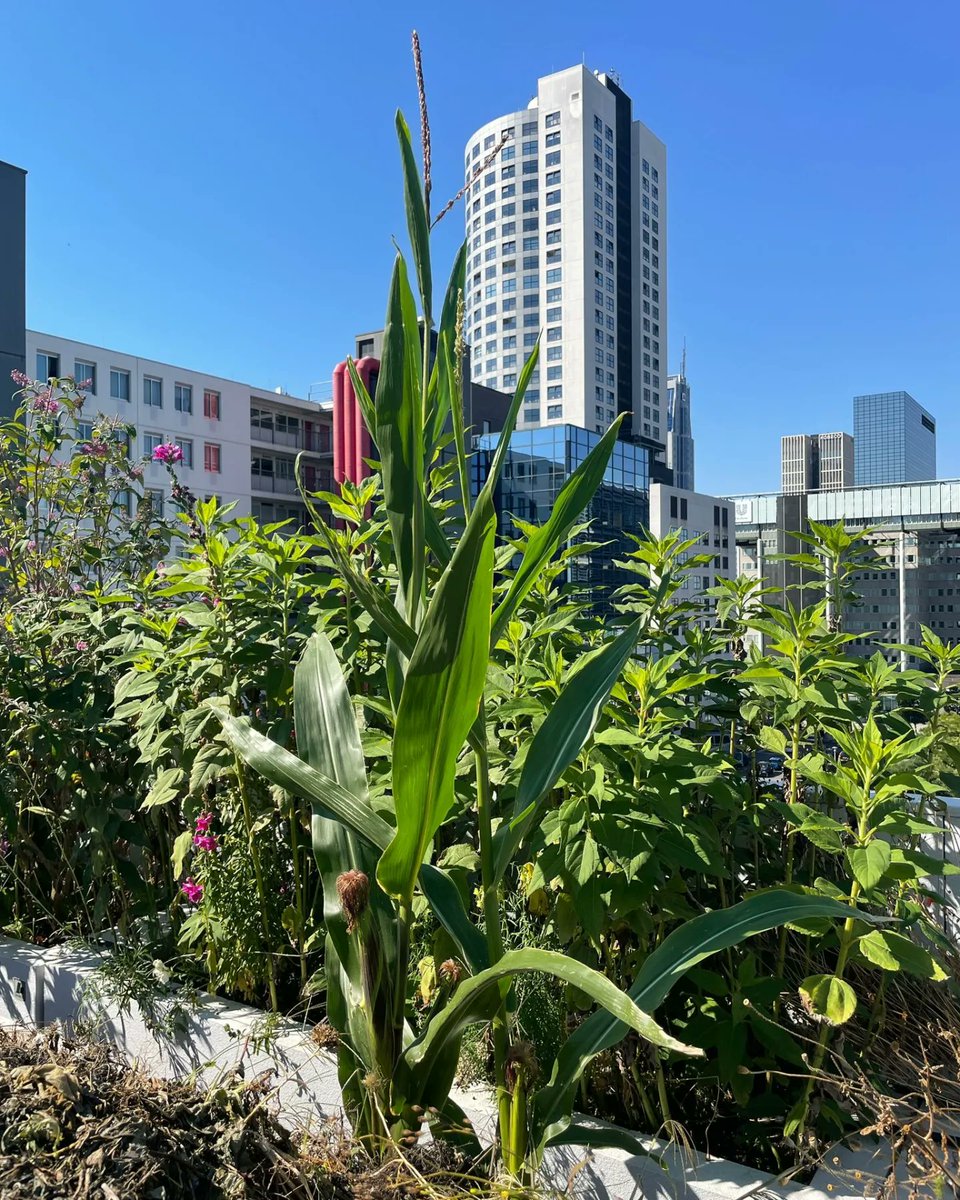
(471,181)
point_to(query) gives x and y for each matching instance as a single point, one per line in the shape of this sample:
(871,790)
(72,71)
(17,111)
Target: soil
(77,1123)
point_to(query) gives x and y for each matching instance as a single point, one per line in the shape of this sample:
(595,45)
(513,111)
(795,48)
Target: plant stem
(294,818)
(261,888)
(491,920)
(788,869)
(662,1096)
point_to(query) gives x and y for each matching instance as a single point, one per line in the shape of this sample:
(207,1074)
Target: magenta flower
(168,454)
(204,821)
(192,890)
(45,403)
(205,841)
(82,645)
(19,378)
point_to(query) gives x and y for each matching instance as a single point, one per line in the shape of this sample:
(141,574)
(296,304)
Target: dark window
(683,510)
(48,366)
(673,506)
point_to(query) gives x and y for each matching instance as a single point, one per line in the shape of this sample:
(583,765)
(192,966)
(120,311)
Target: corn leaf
(399,431)
(417,225)
(442,403)
(328,739)
(440,701)
(476,999)
(284,769)
(684,948)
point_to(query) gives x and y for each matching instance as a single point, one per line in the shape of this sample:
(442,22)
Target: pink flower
(20,379)
(204,821)
(205,841)
(168,453)
(136,472)
(82,645)
(192,890)
(31,545)
(44,402)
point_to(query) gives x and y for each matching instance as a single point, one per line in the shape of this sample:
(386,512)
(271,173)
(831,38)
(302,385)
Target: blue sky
(215,184)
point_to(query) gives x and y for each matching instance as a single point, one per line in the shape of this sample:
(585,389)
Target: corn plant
(448,610)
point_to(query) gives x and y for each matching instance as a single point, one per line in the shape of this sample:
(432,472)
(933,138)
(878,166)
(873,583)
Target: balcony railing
(273,483)
(316,442)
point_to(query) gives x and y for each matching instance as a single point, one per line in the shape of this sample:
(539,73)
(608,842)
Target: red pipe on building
(366,369)
(339,446)
(352,443)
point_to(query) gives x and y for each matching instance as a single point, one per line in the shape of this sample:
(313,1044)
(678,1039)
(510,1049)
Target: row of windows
(211,450)
(527,129)
(85,374)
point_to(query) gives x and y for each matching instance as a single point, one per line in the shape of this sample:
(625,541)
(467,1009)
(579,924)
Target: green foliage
(397,770)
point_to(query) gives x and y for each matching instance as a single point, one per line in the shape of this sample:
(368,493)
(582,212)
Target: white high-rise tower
(567,233)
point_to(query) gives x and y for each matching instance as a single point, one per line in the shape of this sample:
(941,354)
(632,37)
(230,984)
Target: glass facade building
(894,440)
(539,463)
(914,530)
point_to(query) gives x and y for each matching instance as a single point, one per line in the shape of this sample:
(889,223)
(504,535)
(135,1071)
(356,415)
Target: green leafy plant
(445,617)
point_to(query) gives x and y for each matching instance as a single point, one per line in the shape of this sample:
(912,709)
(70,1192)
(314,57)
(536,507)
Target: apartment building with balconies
(240,442)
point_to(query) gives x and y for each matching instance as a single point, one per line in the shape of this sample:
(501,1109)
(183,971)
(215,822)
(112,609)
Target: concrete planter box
(39,987)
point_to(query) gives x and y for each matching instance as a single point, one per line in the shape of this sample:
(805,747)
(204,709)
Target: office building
(679,457)
(914,534)
(13,258)
(709,519)
(240,443)
(538,464)
(895,440)
(815,462)
(567,233)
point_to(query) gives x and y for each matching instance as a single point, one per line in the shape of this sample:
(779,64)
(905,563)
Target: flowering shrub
(168,453)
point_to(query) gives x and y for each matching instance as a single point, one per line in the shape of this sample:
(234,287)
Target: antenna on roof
(683,361)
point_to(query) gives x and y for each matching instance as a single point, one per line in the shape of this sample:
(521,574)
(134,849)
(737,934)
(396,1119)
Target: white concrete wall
(39,987)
